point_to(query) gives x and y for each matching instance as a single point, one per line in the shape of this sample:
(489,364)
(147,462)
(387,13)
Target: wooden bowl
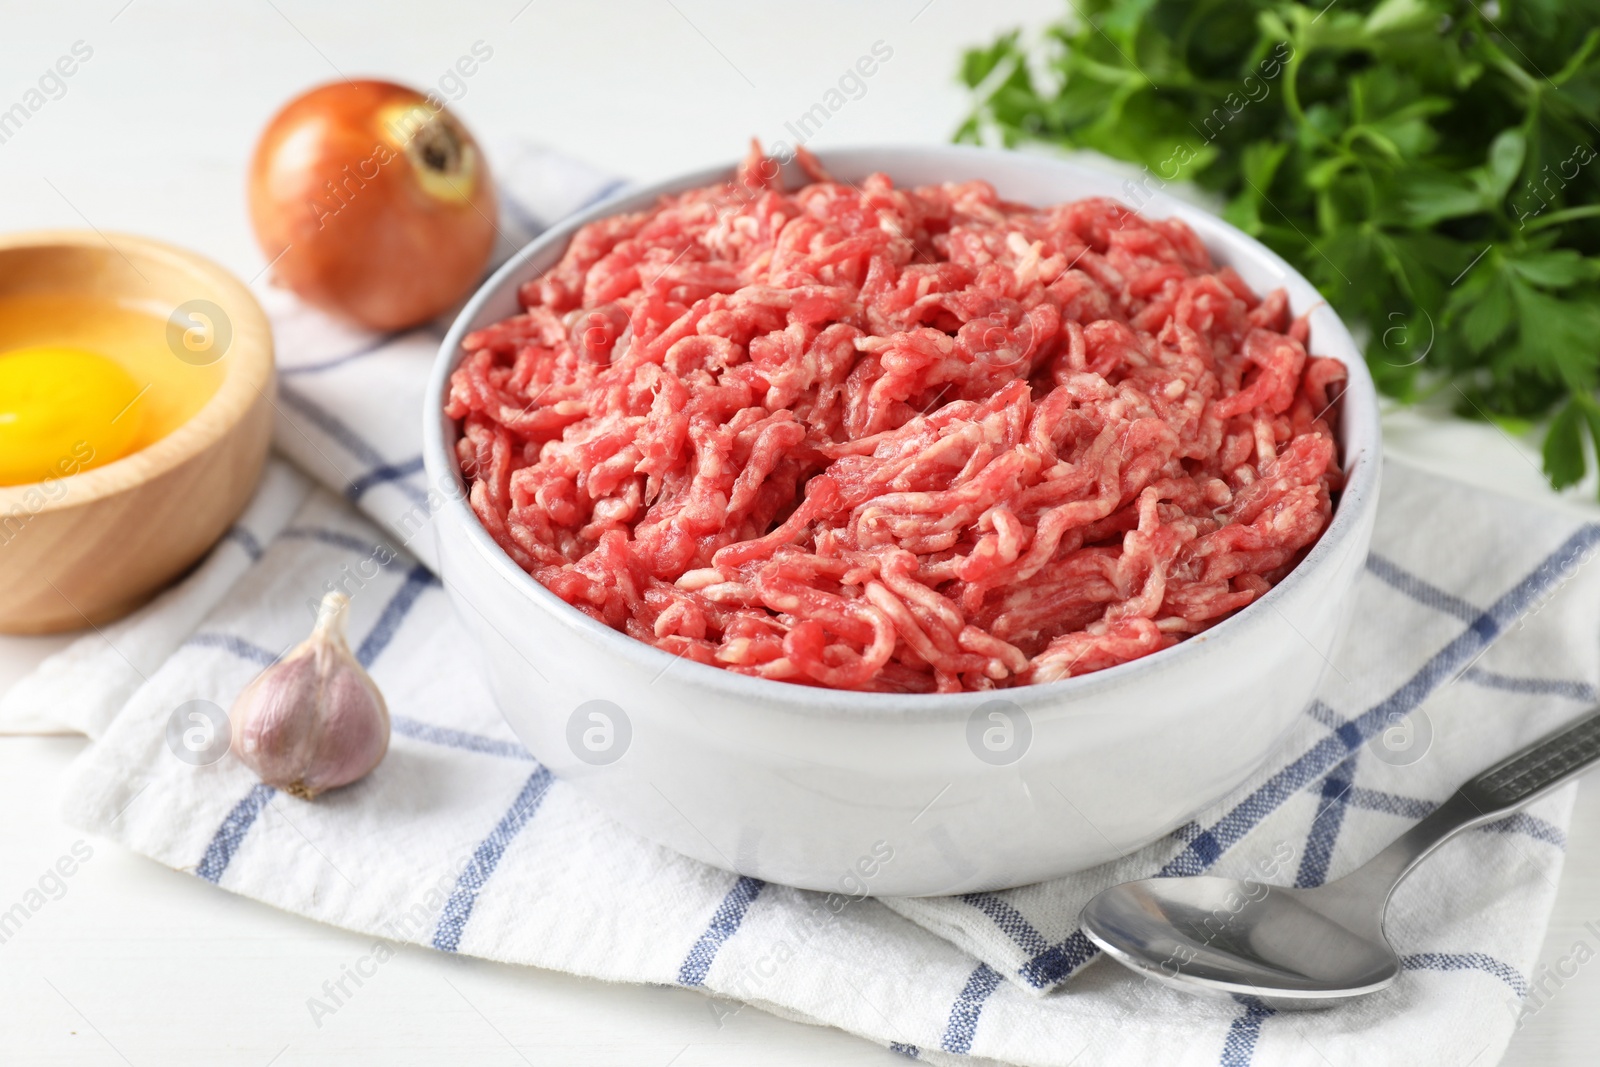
(91,546)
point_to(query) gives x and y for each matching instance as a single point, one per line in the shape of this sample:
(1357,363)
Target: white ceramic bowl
(886,794)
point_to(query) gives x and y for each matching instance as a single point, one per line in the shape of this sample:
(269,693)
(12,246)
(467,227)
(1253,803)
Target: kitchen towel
(1477,630)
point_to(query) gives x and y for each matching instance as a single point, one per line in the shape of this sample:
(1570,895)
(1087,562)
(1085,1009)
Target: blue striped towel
(1477,631)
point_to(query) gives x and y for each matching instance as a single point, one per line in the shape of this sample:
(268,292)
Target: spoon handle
(1499,790)
(1541,766)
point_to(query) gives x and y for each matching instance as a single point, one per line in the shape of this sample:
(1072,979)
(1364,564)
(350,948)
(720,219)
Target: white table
(139,964)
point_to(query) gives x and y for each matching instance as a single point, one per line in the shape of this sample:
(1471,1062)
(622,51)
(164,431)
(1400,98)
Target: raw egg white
(85,382)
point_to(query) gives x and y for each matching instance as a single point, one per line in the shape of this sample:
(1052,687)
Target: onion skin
(373,202)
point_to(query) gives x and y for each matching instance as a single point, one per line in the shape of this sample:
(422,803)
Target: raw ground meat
(909,440)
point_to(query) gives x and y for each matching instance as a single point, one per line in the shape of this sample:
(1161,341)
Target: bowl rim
(1361,454)
(247,373)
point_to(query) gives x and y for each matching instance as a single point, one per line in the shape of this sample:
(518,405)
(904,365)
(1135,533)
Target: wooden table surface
(138,964)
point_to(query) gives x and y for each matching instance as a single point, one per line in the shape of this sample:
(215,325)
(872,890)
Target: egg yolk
(63,410)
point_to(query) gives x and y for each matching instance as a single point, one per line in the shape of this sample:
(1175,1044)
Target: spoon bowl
(1294,948)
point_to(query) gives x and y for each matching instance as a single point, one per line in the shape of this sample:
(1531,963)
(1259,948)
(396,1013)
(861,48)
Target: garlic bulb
(314,720)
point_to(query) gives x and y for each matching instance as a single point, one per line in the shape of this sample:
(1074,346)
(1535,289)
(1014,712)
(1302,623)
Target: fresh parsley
(1430,165)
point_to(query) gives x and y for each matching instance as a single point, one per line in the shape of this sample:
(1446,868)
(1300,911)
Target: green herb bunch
(1430,165)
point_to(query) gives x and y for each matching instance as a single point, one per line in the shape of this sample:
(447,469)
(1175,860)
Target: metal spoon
(1311,948)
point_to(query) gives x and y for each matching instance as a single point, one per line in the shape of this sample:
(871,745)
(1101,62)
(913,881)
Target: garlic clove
(314,720)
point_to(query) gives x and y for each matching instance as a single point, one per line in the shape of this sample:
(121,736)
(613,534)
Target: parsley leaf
(1563,447)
